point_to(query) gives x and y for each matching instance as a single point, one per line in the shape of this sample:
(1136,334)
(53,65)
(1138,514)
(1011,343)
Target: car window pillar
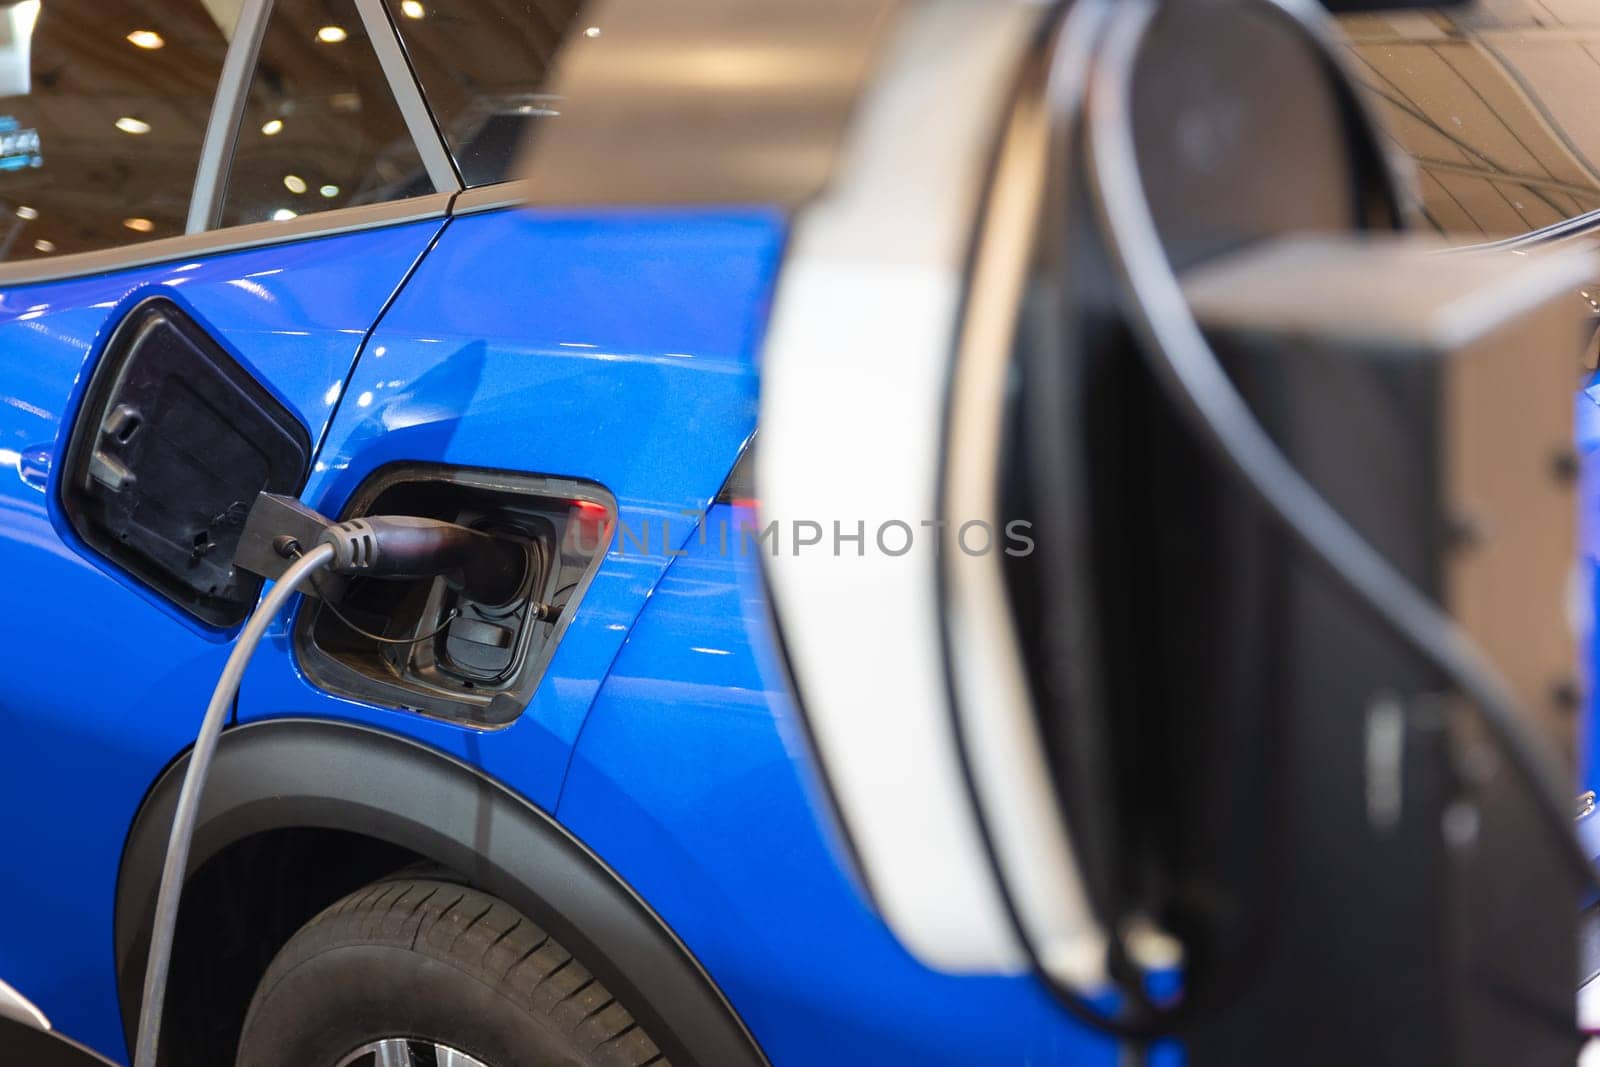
(222,129)
(408,94)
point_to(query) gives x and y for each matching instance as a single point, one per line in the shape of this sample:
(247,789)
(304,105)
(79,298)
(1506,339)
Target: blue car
(518,266)
(273,244)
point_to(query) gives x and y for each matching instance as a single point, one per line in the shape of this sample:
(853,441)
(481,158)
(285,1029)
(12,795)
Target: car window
(320,128)
(103,105)
(482,65)
(1495,105)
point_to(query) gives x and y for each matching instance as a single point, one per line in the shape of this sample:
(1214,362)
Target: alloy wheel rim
(408,1052)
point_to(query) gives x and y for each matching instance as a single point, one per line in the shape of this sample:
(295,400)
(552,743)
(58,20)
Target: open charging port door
(172,444)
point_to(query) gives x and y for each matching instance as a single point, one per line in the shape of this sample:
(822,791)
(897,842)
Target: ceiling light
(24,16)
(42,245)
(592,31)
(138,225)
(129,124)
(294,183)
(26,212)
(412,9)
(149,39)
(272,127)
(329,191)
(283,214)
(331,34)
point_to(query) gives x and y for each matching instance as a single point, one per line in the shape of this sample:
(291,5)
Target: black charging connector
(489,569)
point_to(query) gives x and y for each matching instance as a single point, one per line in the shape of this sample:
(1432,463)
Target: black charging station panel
(172,444)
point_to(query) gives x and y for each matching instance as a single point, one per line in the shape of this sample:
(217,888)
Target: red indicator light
(590,526)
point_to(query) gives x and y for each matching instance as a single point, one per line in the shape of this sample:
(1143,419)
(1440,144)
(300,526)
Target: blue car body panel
(107,680)
(618,348)
(1586,423)
(693,780)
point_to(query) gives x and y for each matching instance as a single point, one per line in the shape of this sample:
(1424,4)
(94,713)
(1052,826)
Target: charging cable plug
(487,569)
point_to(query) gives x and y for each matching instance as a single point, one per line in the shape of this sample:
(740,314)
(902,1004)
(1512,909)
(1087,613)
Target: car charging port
(487,636)
(470,644)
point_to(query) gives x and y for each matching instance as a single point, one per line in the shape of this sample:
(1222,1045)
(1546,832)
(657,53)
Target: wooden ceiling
(1495,103)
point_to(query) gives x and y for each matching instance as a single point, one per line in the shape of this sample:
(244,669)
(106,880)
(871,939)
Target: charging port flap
(173,442)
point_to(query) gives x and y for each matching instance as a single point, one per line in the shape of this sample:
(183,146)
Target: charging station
(1278,718)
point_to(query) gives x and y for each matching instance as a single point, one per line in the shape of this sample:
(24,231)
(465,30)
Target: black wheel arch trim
(313,773)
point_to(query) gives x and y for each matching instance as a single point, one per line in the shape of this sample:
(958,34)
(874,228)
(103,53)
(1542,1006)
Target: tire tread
(487,939)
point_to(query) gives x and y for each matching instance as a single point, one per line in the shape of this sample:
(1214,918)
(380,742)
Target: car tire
(405,969)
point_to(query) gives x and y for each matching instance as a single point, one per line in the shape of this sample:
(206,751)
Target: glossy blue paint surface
(106,682)
(694,781)
(1586,422)
(618,348)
